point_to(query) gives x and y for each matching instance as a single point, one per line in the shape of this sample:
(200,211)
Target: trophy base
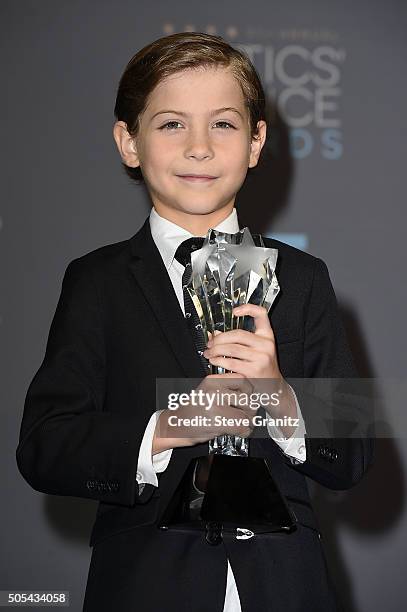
(221,493)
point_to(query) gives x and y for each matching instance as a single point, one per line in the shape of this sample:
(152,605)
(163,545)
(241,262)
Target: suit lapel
(152,277)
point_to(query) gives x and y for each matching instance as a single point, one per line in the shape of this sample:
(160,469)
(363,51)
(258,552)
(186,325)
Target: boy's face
(190,140)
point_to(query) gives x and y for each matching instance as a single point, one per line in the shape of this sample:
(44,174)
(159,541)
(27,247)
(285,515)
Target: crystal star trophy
(227,490)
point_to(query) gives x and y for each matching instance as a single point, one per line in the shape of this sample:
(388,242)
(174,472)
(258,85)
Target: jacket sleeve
(68,444)
(149,465)
(335,461)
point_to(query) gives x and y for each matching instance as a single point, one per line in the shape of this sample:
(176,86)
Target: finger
(241,393)
(211,336)
(244,406)
(220,382)
(261,319)
(229,380)
(226,375)
(234,365)
(236,336)
(234,381)
(229,350)
(215,333)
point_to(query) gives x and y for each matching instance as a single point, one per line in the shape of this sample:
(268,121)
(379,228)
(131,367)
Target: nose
(198,145)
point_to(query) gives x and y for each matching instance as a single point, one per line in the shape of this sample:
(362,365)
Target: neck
(195,223)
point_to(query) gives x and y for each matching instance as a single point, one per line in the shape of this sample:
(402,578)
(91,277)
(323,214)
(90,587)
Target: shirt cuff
(294,446)
(148,466)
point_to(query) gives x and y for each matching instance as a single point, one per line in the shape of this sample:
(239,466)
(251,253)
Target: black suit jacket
(117,327)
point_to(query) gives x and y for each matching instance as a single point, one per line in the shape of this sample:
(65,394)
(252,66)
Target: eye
(226,123)
(169,123)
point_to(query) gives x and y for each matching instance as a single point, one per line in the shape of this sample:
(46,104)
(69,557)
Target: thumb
(216,332)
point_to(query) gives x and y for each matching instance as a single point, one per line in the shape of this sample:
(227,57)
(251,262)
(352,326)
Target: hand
(253,355)
(236,418)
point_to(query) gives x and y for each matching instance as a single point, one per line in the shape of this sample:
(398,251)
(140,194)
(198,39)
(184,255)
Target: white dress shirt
(167,237)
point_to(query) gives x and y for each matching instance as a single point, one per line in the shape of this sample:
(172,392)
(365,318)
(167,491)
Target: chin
(201,208)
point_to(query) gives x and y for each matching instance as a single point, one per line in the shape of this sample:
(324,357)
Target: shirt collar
(168,235)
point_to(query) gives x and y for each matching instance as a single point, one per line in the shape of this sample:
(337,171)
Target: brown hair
(170,54)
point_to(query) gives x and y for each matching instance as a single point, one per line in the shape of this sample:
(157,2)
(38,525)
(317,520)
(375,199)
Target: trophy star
(258,258)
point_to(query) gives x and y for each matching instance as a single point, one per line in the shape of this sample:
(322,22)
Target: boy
(190,123)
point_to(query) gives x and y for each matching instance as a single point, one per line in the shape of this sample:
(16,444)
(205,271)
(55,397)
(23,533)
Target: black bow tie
(183,253)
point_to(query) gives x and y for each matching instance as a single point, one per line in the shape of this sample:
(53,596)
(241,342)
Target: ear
(126,144)
(257,143)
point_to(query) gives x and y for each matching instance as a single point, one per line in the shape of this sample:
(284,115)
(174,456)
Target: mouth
(197,178)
